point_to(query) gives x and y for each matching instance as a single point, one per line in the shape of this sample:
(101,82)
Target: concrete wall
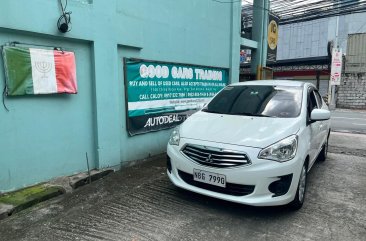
(352,92)
(47,136)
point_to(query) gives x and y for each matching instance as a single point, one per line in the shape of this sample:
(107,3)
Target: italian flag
(39,71)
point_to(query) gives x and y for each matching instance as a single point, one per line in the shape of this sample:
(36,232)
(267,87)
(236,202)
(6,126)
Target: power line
(254,6)
(292,11)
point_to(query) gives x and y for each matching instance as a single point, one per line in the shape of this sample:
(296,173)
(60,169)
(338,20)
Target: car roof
(274,82)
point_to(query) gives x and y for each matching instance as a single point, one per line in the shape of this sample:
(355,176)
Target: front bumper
(260,174)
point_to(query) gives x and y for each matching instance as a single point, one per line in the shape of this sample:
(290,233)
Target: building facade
(352,89)
(307,44)
(310,39)
(43,137)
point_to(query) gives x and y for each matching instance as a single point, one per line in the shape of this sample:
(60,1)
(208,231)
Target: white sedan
(253,143)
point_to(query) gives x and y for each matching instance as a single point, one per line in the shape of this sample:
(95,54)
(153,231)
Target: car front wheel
(324,152)
(301,189)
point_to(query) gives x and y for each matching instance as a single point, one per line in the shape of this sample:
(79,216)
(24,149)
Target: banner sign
(162,95)
(336,70)
(31,71)
(272,38)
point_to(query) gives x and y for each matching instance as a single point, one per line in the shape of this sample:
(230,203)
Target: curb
(349,132)
(83,179)
(17,201)
(5,210)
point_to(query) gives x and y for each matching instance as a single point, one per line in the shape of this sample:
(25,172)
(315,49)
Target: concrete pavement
(139,203)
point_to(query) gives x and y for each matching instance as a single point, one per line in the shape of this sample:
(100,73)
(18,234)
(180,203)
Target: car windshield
(257,100)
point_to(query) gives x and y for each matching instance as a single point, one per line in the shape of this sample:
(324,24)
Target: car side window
(319,99)
(311,102)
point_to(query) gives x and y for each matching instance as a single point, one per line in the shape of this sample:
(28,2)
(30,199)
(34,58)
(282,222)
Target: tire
(324,152)
(297,203)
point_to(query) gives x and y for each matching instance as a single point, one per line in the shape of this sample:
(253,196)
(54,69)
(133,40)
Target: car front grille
(230,189)
(215,157)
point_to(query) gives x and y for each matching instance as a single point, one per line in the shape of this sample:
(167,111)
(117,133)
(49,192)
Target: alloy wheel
(302,184)
(326,149)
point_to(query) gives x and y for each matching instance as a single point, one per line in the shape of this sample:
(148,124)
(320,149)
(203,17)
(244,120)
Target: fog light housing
(280,187)
(168,164)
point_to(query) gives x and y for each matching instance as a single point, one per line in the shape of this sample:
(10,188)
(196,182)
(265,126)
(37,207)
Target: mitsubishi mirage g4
(253,143)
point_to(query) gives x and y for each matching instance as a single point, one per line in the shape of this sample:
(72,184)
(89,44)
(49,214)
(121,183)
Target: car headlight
(174,137)
(281,151)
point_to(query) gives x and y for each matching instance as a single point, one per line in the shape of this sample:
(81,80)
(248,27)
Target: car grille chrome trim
(215,157)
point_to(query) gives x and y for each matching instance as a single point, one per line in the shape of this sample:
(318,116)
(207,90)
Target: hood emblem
(209,159)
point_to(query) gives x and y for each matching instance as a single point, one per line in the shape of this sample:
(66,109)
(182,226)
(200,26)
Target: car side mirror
(320,115)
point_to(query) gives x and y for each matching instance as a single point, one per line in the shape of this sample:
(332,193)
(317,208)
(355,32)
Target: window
(258,100)
(311,102)
(319,99)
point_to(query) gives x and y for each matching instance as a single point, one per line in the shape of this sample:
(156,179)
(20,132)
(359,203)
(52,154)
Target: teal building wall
(43,137)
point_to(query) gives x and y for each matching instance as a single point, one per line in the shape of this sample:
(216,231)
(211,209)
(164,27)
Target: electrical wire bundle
(64,22)
(293,11)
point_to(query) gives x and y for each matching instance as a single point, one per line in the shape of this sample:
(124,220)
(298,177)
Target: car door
(314,127)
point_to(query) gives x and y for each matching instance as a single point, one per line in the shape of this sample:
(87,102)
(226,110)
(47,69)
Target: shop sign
(162,95)
(336,70)
(272,38)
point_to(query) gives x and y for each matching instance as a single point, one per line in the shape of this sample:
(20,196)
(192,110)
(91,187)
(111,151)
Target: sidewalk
(349,110)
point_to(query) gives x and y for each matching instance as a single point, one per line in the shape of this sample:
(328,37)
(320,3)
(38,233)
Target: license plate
(209,178)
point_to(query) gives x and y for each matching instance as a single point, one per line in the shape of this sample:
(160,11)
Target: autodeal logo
(164,120)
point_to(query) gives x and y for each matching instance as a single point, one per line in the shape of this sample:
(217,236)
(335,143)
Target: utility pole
(332,88)
(259,34)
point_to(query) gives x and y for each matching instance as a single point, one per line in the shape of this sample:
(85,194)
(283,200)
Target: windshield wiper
(251,114)
(211,111)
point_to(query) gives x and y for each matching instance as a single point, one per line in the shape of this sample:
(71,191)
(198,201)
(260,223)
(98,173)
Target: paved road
(349,121)
(139,203)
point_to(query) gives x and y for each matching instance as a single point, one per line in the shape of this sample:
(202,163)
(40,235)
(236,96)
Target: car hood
(249,131)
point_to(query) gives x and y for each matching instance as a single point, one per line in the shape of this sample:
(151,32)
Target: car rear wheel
(301,190)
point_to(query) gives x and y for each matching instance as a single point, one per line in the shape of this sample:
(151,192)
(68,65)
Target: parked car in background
(254,143)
